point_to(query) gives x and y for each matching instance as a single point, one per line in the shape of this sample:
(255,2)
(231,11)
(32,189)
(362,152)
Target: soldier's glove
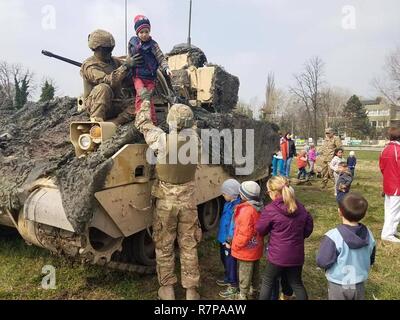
(133,61)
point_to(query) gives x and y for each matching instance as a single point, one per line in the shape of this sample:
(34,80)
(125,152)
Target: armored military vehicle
(94,202)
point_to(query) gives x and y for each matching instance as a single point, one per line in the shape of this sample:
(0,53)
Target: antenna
(126,27)
(189,41)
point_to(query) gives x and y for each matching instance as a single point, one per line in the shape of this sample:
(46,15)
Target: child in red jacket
(247,245)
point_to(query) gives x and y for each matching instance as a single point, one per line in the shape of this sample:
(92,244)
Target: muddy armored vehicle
(92,199)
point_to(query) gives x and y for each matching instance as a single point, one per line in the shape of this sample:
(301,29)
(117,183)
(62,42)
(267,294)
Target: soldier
(103,77)
(175,215)
(326,153)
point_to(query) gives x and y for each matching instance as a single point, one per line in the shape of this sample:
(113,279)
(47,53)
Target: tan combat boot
(192,294)
(166,293)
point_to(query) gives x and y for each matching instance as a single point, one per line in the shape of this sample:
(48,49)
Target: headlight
(95,134)
(85,142)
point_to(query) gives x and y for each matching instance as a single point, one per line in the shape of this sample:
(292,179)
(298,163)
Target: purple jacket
(287,232)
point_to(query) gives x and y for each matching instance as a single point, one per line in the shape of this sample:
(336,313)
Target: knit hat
(230,187)
(141,22)
(250,190)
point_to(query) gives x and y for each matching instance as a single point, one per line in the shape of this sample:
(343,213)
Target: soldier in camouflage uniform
(326,153)
(103,76)
(175,215)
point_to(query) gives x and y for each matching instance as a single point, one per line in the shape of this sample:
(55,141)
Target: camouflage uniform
(326,153)
(175,215)
(103,83)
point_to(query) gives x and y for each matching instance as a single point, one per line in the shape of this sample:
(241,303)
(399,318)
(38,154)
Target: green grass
(21,265)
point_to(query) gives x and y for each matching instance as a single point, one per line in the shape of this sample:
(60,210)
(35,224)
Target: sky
(249,38)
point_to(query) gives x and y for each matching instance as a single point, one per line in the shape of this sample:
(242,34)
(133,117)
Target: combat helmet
(100,38)
(180,116)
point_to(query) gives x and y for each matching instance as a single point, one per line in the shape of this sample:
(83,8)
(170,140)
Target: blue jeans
(278,167)
(230,266)
(288,165)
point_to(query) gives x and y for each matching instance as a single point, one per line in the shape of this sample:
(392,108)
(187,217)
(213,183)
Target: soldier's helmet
(180,116)
(100,38)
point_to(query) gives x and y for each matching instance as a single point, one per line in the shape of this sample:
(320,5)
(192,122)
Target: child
(230,192)
(278,163)
(347,252)
(144,75)
(302,164)
(344,181)
(351,162)
(312,157)
(288,223)
(247,244)
(333,165)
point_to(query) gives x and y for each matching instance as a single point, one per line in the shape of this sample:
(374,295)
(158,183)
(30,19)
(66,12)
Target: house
(382,114)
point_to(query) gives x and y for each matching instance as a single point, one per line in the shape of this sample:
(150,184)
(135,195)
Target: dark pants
(302,172)
(230,266)
(340,195)
(352,171)
(293,276)
(284,285)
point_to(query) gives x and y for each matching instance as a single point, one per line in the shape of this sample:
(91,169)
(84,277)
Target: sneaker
(285,297)
(222,283)
(229,292)
(391,239)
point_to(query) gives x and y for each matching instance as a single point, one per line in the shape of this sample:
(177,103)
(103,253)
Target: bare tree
(8,74)
(389,86)
(332,103)
(308,90)
(268,109)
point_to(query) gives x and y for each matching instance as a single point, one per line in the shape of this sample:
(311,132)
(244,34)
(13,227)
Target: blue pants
(230,266)
(288,165)
(278,167)
(352,171)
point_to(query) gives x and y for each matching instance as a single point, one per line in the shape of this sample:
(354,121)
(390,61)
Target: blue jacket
(347,253)
(351,162)
(148,70)
(226,224)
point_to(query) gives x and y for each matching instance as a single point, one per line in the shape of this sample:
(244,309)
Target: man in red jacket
(389,163)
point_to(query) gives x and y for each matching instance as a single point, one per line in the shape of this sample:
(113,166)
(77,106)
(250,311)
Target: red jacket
(247,244)
(284,148)
(389,163)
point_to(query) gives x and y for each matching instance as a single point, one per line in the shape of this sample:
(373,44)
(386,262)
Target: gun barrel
(52,55)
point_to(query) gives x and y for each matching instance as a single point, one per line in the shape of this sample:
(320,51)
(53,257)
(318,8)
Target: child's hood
(257,205)
(355,236)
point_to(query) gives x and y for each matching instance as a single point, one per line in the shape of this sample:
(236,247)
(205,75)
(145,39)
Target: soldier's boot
(166,293)
(192,294)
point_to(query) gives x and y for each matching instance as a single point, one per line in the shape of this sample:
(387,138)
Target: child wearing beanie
(145,75)
(247,244)
(230,192)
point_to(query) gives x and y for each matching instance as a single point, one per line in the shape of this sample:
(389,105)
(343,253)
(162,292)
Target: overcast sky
(248,37)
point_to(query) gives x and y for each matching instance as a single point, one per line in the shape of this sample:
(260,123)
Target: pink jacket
(389,163)
(312,155)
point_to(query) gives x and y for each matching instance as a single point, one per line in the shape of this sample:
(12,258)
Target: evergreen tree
(355,115)
(21,91)
(47,92)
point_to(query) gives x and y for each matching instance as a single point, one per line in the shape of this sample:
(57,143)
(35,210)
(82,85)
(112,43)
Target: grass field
(21,265)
